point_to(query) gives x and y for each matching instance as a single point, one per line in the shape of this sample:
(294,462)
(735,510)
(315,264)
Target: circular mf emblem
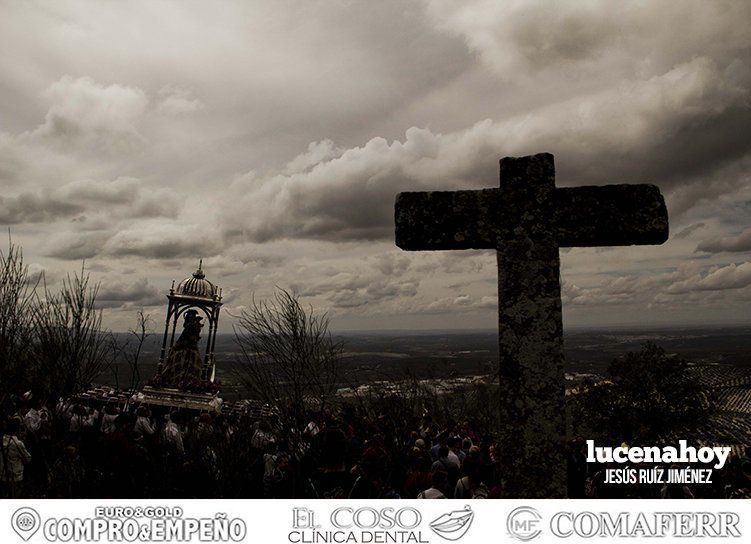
(523,523)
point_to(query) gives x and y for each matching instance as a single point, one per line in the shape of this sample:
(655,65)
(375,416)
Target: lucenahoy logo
(454,525)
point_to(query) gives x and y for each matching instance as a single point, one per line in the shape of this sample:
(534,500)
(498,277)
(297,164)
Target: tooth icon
(454,525)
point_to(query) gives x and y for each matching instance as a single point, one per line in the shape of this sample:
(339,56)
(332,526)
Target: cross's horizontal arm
(609,215)
(446,219)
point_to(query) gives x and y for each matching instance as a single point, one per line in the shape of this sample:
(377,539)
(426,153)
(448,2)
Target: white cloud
(177,101)
(84,113)
(735,243)
(521,38)
(272,140)
(732,276)
(608,136)
(134,294)
(115,199)
(162,240)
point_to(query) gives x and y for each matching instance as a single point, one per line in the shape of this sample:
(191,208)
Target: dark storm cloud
(458,304)
(373,292)
(75,246)
(117,192)
(526,38)
(673,118)
(272,137)
(737,243)
(465,262)
(120,198)
(35,208)
(391,264)
(366,285)
(687,231)
(671,129)
(162,243)
(137,293)
(674,287)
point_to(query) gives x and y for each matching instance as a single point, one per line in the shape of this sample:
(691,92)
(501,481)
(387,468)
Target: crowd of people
(75,450)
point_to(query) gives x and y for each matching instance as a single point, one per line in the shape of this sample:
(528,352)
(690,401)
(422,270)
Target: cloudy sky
(270,138)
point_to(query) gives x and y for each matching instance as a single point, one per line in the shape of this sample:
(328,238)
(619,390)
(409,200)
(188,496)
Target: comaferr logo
(526,523)
(653,524)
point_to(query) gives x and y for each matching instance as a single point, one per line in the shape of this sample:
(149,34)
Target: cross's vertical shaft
(525,221)
(531,376)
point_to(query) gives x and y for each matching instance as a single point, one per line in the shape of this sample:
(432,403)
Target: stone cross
(526,221)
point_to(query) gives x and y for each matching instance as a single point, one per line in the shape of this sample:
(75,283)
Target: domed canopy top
(197,286)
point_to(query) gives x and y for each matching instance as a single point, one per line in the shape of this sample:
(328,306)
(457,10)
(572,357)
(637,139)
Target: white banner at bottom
(373,522)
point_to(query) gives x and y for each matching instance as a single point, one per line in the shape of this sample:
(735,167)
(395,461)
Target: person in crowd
(466,446)
(276,471)
(172,436)
(427,428)
(13,458)
(262,435)
(78,416)
(455,450)
(312,428)
(436,447)
(92,419)
(372,472)
(437,485)
(118,457)
(449,463)
(204,429)
(471,486)
(331,479)
(33,418)
(45,424)
(418,476)
(66,475)
(143,426)
(111,411)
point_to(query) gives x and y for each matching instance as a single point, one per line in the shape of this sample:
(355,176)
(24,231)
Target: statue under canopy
(184,363)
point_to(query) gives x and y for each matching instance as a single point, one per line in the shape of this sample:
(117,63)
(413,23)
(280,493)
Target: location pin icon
(25,522)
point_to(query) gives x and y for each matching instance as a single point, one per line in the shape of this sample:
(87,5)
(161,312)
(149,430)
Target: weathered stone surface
(446,219)
(608,215)
(530,337)
(526,221)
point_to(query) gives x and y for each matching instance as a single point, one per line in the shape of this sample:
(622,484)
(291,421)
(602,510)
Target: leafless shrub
(71,346)
(16,316)
(129,350)
(289,359)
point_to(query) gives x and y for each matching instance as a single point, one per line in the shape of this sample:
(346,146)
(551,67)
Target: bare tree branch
(289,359)
(71,347)
(17,299)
